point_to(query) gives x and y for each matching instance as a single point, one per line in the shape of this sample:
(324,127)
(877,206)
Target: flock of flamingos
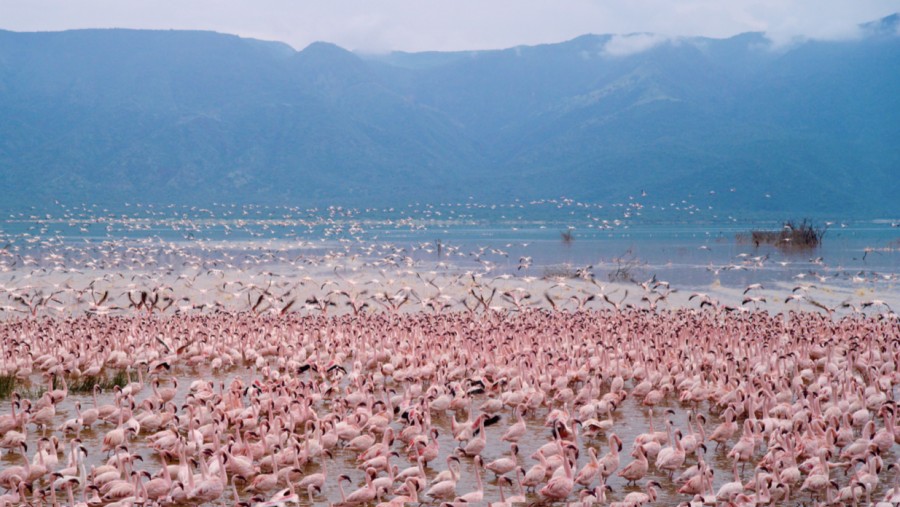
(242,385)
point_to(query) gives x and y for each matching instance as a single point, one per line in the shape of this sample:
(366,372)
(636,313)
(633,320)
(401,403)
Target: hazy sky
(417,25)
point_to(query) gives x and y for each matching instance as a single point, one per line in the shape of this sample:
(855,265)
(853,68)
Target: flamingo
(637,469)
(636,498)
(591,470)
(517,430)
(610,461)
(671,458)
(505,465)
(559,488)
(361,495)
(478,495)
(446,487)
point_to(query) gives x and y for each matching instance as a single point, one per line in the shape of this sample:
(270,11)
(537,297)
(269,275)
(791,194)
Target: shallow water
(631,419)
(686,249)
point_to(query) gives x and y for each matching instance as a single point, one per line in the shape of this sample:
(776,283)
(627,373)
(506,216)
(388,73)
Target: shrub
(7,385)
(792,236)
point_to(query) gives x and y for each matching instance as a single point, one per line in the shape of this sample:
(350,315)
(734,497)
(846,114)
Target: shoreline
(307,287)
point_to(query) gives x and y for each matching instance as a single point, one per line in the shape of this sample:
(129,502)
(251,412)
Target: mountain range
(741,124)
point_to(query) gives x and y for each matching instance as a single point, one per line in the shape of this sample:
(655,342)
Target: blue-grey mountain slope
(175,116)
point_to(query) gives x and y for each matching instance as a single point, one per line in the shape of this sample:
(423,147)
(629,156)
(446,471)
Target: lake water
(689,252)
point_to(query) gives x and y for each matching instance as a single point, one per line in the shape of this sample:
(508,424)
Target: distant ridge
(197,117)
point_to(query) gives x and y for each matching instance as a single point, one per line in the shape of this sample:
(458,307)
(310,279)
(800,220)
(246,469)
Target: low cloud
(625,45)
(414,25)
